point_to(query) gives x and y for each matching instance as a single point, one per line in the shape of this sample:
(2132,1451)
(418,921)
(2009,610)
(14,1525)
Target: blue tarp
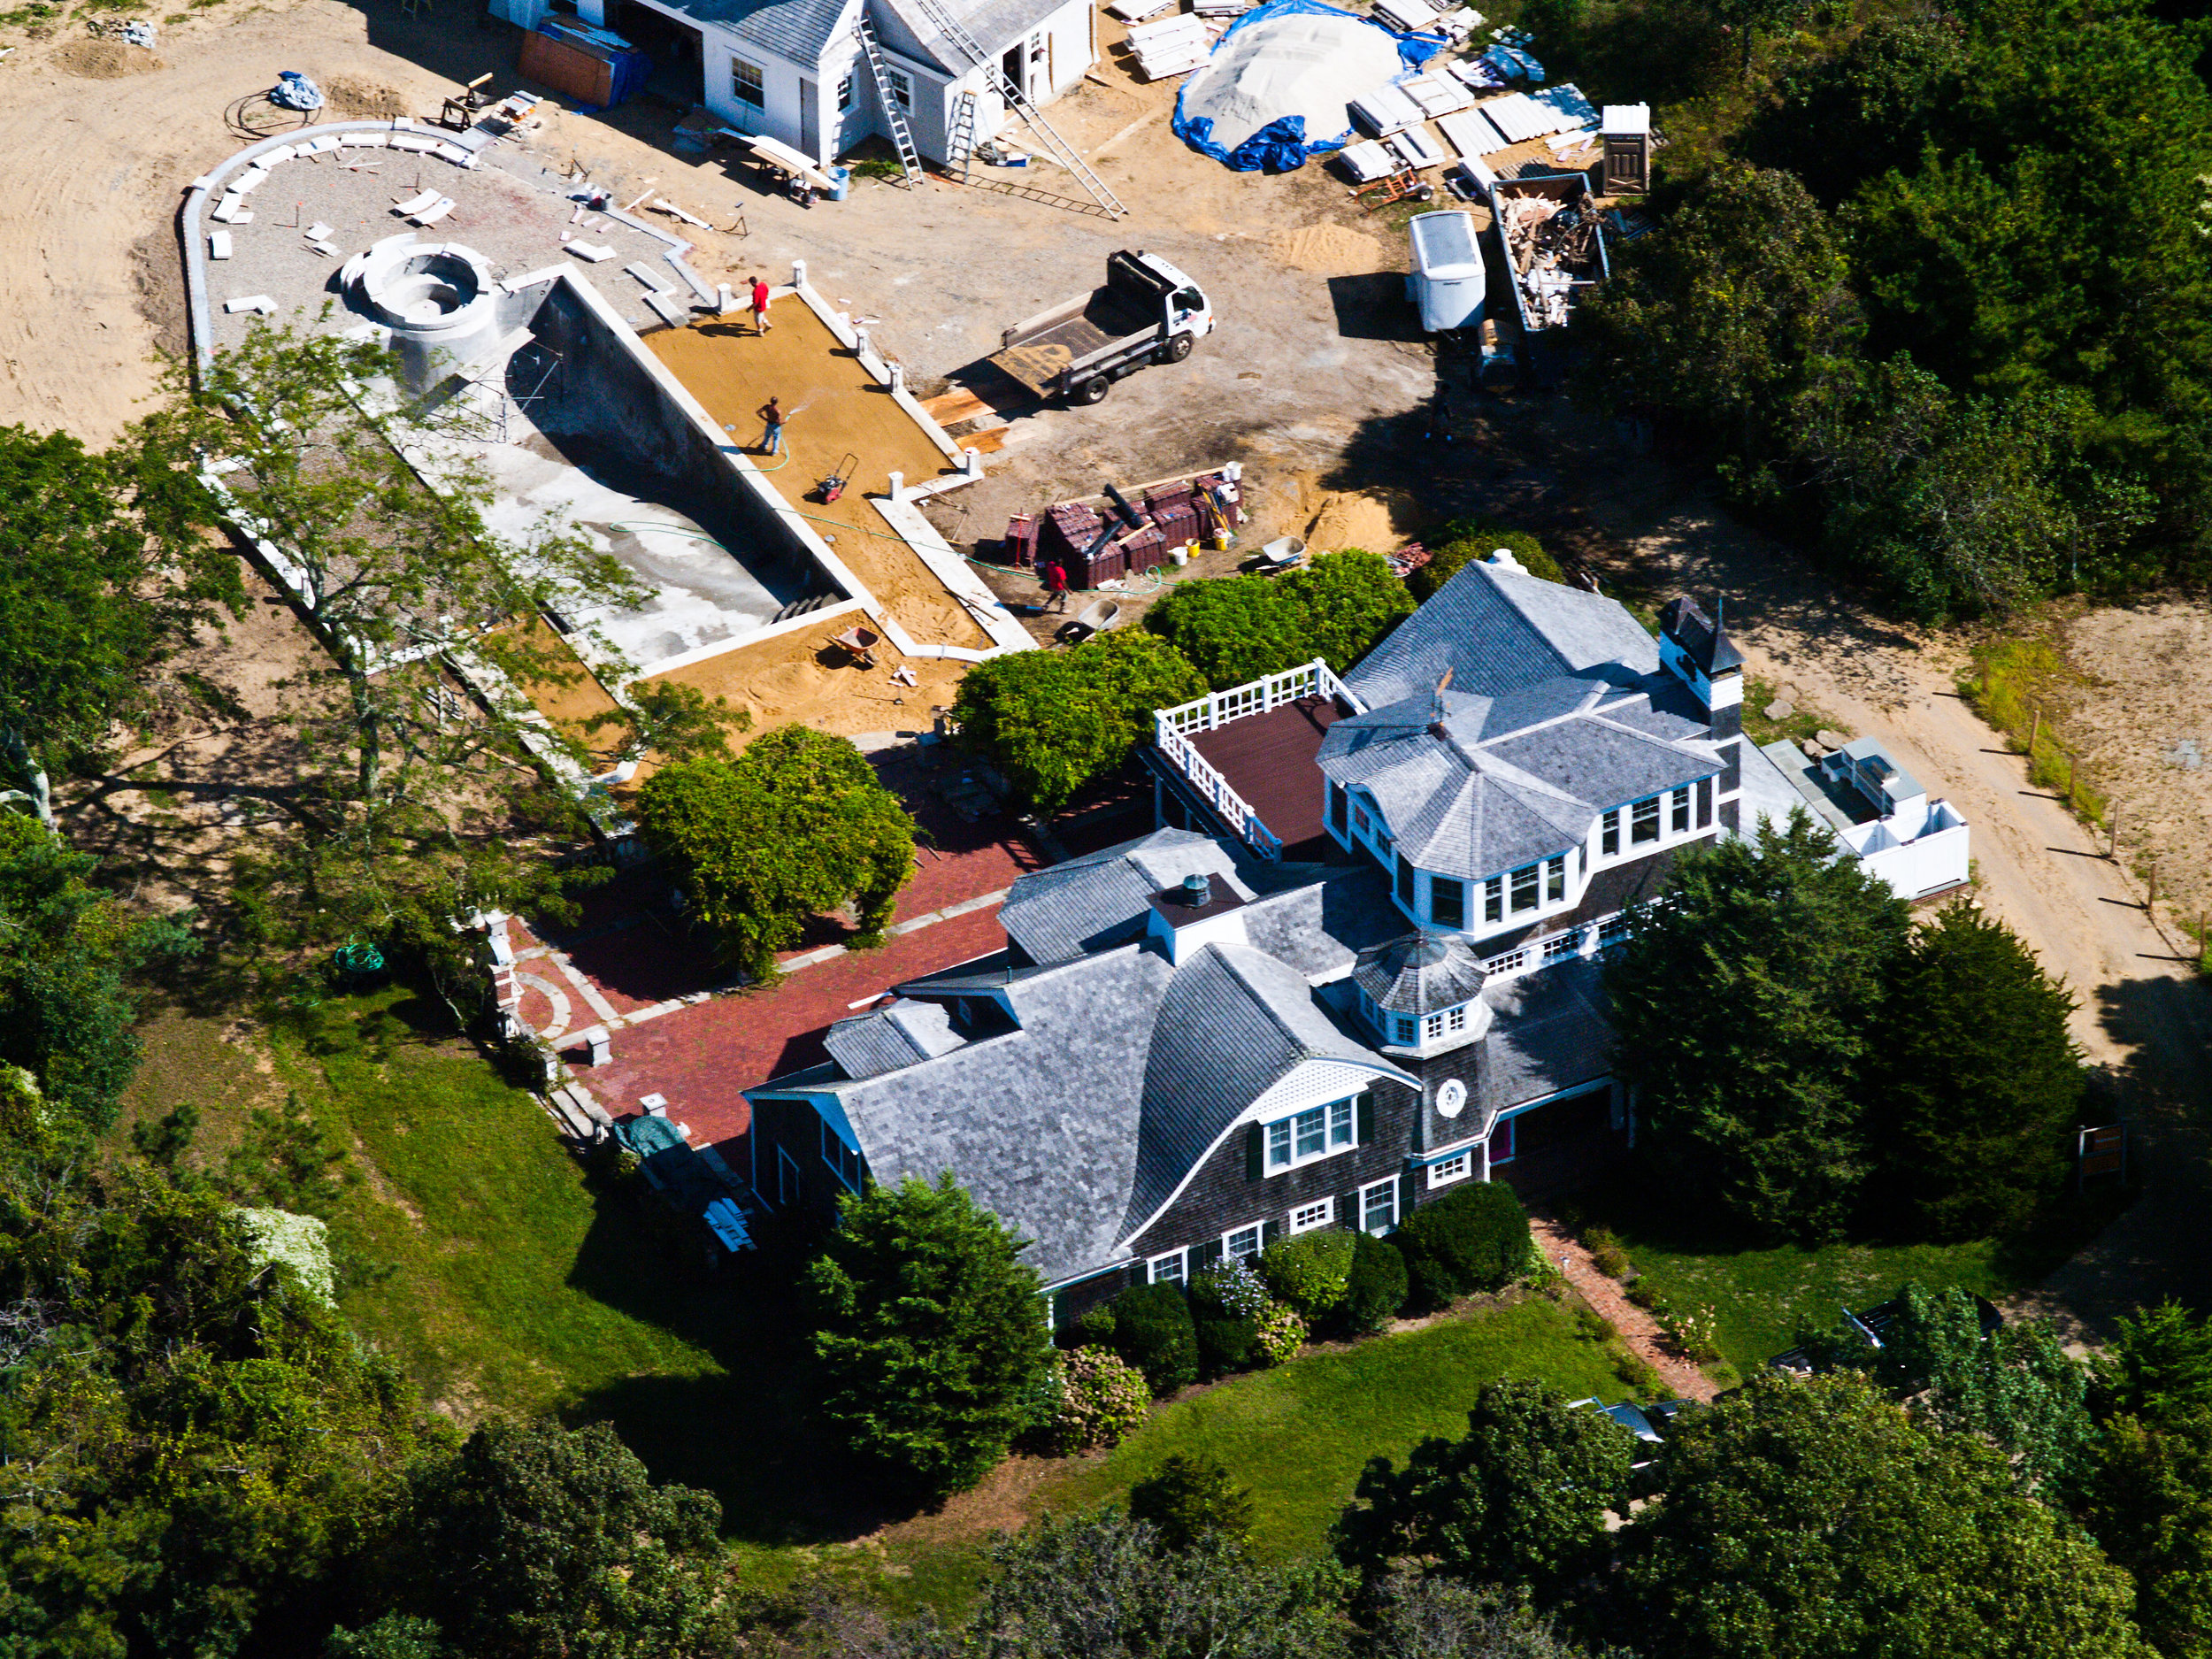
(1282,146)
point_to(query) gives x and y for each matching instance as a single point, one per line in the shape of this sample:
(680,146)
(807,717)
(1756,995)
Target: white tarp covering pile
(1310,64)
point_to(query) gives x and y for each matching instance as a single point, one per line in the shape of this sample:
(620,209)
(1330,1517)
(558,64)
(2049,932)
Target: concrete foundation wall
(604,392)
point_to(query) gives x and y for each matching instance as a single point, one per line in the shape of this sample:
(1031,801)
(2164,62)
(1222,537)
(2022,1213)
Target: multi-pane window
(1556,881)
(1245,1242)
(845,93)
(1609,834)
(1524,887)
(902,86)
(1361,821)
(1494,899)
(1312,1133)
(1447,902)
(839,1157)
(1679,810)
(1446,1170)
(1167,1269)
(1457,1019)
(790,1184)
(1379,1207)
(1644,821)
(1306,1218)
(1403,1024)
(745,84)
(1432,1027)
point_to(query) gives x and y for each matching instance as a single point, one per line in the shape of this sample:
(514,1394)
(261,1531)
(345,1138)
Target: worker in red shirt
(760,306)
(1056,586)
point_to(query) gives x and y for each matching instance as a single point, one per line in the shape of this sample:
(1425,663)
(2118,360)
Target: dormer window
(1556,881)
(1643,821)
(1313,1134)
(1447,902)
(1609,834)
(1525,888)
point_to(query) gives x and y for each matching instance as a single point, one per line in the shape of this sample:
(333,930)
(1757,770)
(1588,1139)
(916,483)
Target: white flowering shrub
(1281,1333)
(1102,1400)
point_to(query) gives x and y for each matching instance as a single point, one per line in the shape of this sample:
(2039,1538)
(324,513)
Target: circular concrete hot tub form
(440,300)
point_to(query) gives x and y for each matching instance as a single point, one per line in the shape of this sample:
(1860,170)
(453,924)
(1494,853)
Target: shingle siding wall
(1222,1196)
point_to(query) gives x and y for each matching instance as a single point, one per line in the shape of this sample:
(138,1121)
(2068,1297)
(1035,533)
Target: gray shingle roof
(1040,1124)
(1419,974)
(1103,899)
(993,25)
(886,1038)
(1501,631)
(1703,638)
(1549,1033)
(1501,782)
(1234,1022)
(1320,927)
(793,29)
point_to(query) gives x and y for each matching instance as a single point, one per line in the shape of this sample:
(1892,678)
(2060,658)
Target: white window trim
(1457,1167)
(1367,1192)
(1182,1269)
(831,1138)
(1297,1160)
(1327,1217)
(1257,1229)
(785,1161)
(760,75)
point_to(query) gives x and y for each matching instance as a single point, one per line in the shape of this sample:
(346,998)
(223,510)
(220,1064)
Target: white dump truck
(1147,312)
(1447,281)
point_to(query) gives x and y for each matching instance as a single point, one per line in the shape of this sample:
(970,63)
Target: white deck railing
(1172,726)
(1586,939)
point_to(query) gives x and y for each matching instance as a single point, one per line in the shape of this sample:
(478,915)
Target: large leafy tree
(533,1541)
(106,568)
(1055,721)
(795,826)
(1519,1500)
(1102,1586)
(1807,1519)
(1747,1009)
(2016,1387)
(1234,629)
(1983,1082)
(1443,1618)
(2147,1501)
(67,952)
(929,1334)
(427,771)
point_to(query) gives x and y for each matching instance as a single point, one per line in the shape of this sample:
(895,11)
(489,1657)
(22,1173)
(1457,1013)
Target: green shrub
(1375,1288)
(1475,1240)
(1636,1372)
(1236,628)
(1648,1296)
(1591,1326)
(1606,1254)
(1103,1398)
(1154,1331)
(1278,1335)
(1461,544)
(1094,1329)
(1193,1498)
(1309,1274)
(1227,1302)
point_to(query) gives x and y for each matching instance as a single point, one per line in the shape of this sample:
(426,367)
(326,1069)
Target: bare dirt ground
(1316,379)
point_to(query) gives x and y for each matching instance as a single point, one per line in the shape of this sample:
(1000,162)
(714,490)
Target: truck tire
(1177,349)
(1091,391)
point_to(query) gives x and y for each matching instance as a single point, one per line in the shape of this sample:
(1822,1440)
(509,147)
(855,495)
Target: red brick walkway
(1638,1329)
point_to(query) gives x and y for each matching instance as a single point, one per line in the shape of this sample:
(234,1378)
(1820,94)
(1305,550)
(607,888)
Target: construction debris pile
(1103,541)
(1555,246)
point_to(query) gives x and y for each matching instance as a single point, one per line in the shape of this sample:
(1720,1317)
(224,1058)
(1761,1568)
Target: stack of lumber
(1172,46)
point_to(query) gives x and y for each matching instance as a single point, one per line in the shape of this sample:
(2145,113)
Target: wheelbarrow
(1284,553)
(840,475)
(1095,617)
(857,643)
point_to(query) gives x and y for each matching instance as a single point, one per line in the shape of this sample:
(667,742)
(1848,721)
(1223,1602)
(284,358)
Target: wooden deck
(1269,759)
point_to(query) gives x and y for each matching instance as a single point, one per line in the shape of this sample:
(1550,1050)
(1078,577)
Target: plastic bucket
(840,182)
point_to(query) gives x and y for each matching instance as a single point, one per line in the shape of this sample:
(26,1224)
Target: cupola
(1423,992)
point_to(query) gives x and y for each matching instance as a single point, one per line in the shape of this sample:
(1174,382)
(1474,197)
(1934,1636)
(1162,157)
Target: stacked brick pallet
(1074,535)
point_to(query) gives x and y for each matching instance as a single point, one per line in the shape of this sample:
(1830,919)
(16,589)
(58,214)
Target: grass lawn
(475,1250)
(1298,1436)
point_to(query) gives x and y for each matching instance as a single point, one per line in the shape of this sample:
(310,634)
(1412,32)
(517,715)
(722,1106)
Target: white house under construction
(798,69)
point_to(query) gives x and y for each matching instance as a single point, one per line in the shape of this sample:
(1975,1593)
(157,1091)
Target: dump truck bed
(1124,311)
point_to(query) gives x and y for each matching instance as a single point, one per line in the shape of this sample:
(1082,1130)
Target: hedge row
(1335,1283)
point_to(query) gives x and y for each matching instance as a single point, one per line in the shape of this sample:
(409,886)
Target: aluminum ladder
(961,146)
(1017,101)
(909,159)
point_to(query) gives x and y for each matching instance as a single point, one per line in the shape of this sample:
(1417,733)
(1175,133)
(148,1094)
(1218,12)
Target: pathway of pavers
(1638,1329)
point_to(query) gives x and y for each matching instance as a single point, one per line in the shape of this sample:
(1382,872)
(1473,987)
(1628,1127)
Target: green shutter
(1366,1112)
(1254,1151)
(1208,1254)
(1270,1231)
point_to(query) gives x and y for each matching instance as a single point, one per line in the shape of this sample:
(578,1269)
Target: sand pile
(358,98)
(1331,250)
(104,61)
(1373,521)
